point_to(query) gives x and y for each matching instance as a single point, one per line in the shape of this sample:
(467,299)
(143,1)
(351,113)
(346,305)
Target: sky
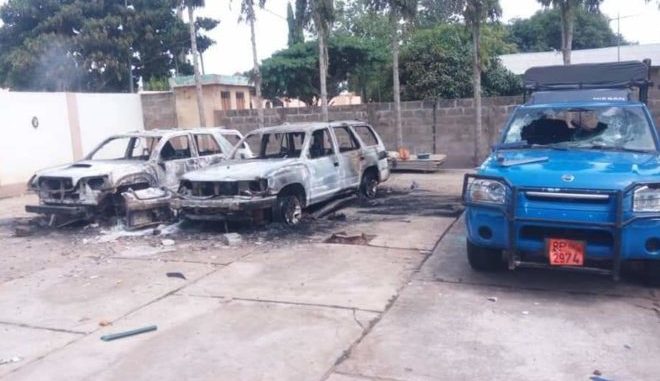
(640,22)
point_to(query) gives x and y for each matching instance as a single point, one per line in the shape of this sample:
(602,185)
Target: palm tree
(247,13)
(398,9)
(323,14)
(567,11)
(475,13)
(191,5)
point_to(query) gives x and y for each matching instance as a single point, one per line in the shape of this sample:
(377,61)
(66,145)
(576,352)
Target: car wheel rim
(372,188)
(293,212)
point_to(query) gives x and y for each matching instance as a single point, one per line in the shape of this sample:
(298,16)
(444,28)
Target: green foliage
(542,31)
(293,72)
(82,45)
(437,63)
(157,84)
(433,12)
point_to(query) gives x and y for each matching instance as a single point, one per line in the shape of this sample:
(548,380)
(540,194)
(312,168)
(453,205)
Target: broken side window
(176,148)
(321,144)
(345,139)
(367,135)
(207,145)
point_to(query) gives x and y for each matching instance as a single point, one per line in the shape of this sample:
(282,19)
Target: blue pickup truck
(574,182)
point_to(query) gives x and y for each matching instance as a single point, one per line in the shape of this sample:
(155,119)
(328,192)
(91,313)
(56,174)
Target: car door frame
(350,161)
(170,178)
(325,187)
(208,160)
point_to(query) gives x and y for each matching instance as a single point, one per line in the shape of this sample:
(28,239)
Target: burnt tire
(483,259)
(288,209)
(652,273)
(369,185)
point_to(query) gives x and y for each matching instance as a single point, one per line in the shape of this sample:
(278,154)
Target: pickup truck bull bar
(510,207)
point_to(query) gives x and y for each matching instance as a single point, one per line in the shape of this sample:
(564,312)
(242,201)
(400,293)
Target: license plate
(565,252)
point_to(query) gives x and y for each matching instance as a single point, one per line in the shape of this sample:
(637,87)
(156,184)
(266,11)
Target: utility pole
(130,54)
(618,37)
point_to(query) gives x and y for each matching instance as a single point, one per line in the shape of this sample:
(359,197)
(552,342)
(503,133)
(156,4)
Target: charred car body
(575,181)
(293,166)
(129,175)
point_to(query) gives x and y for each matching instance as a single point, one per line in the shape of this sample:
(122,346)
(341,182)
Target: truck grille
(57,188)
(540,233)
(216,188)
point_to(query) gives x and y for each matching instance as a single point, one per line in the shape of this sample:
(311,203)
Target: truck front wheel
(483,259)
(288,209)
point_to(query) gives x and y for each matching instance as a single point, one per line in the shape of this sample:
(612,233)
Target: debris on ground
(176,275)
(492,299)
(597,373)
(334,206)
(168,242)
(343,238)
(23,231)
(104,323)
(10,360)
(337,217)
(121,335)
(231,239)
(525,312)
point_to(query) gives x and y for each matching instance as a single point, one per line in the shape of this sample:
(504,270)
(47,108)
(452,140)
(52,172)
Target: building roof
(520,62)
(210,79)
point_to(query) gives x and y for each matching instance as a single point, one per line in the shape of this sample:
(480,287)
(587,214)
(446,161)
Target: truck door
(349,157)
(324,166)
(208,149)
(176,158)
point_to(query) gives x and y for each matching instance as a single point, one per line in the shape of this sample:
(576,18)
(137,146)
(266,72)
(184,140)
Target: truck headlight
(486,191)
(97,183)
(646,199)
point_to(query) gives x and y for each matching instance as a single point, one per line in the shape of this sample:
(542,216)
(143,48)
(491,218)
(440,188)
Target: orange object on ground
(404,154)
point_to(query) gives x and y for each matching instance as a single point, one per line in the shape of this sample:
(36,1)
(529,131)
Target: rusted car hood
(116,169)
(240,170)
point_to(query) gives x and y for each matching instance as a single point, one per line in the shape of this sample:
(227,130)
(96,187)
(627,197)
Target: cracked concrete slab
(78,295)
(418,233)
(325,274)
(203,338)
(346,377)
(449,264)
(442,331)
(28,344)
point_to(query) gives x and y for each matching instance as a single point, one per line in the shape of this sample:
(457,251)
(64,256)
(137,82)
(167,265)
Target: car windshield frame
(620,127)
(129,147)
(260,153)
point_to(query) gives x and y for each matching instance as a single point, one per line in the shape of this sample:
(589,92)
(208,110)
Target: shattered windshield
(276,145)
(616,128)
(126,148)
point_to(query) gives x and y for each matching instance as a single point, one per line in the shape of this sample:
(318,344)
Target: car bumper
(73,211)
(221,209)
(639,239)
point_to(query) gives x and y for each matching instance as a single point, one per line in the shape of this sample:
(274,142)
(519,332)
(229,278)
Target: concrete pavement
(284,305)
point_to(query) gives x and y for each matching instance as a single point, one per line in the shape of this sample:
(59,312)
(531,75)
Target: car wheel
(483,259)
(369,185)
(289,209)
(652,273)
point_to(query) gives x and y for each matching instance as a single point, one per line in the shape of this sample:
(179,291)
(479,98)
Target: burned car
(293,166)
(129,176)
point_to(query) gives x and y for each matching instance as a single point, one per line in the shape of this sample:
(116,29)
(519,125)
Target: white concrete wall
(23,148)
(102,115)
(89,117)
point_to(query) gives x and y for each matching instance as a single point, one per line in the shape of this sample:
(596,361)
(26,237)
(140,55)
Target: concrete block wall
(159,110)
(443,126)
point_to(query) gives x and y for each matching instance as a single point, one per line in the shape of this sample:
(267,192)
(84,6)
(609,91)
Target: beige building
(220,92)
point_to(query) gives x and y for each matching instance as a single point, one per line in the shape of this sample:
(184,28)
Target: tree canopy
(82,45)
(293,72)
(542,31)
(437,63)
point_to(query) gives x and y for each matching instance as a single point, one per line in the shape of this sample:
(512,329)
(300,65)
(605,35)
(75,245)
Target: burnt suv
(127,173)
(293,166)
